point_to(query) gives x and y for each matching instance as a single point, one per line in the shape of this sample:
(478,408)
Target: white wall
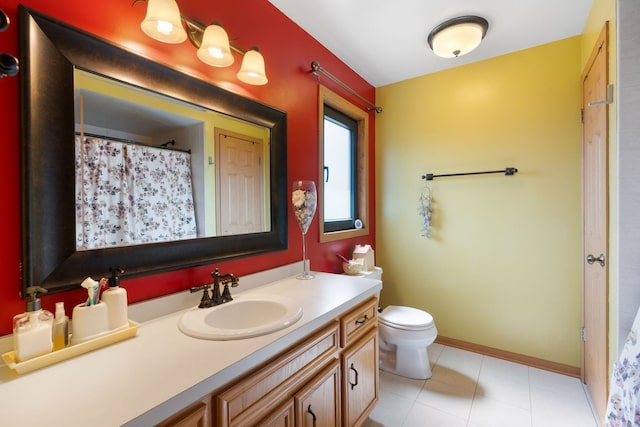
(628,93)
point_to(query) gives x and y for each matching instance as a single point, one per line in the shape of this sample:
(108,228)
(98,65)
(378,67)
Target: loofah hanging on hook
(425,210)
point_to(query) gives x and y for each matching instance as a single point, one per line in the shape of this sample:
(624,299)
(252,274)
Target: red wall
(288,53)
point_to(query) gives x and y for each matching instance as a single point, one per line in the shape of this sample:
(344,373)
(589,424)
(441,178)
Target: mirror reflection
(67,75)
(150,168)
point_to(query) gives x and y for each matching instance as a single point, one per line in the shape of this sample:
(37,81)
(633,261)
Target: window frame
(361,117)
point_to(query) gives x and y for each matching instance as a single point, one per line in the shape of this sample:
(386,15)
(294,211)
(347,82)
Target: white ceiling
(384,41)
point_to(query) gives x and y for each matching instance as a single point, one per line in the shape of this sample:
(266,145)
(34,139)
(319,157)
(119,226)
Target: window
(340,179)
(343,168)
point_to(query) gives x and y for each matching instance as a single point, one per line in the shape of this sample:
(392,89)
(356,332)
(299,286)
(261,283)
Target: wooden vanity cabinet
(329,379)
(249,400)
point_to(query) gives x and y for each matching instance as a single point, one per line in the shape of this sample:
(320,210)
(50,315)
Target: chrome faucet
(222,279)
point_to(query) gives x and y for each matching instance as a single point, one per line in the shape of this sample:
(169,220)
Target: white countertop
(145,379)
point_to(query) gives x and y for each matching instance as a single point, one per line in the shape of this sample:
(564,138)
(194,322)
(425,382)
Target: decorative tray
(69,352)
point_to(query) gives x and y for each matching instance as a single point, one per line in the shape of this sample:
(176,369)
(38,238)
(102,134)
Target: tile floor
(471,390)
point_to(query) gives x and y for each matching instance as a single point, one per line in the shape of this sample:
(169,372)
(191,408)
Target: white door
(240,195)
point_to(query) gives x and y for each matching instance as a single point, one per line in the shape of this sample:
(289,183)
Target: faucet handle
(226,294)
(205,302)
(197,288)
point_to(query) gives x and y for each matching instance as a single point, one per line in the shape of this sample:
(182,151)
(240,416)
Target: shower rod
(316,68)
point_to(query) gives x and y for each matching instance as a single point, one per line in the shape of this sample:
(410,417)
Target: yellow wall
(503,267)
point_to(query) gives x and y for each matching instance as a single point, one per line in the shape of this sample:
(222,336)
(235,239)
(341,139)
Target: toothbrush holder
(89,322)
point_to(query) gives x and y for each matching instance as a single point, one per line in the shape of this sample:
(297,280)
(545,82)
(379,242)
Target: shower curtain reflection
(129,194)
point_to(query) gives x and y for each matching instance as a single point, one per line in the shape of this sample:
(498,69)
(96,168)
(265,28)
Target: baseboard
(512,357)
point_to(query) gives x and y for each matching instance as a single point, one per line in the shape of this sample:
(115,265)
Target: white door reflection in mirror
(241,179)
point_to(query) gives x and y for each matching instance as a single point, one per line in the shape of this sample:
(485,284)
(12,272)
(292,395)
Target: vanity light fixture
(457,36)
(164,23)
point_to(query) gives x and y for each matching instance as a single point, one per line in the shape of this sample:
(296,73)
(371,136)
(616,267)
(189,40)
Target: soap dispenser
(116,299)
(32,329)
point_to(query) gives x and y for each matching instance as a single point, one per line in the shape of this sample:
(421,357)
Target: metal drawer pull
(362,322)
(313,416)
(356,372)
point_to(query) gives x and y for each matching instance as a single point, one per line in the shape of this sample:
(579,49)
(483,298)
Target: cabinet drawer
(265,389)
(358,321)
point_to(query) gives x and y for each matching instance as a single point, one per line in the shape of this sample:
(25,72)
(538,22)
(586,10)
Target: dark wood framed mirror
(51,51)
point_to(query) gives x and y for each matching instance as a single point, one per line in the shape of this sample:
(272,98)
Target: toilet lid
(406,318)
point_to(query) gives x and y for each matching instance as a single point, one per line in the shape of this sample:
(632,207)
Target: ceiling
(385,41)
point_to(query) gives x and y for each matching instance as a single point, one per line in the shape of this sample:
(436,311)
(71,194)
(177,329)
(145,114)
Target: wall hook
(8,63)
(4,21)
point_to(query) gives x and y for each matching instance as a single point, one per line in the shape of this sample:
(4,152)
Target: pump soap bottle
(32,329)
(116,299)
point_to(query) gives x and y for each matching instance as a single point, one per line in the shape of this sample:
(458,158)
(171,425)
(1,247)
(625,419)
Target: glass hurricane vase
(304,199)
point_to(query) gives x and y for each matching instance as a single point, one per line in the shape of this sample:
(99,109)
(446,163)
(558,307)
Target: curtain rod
(506,171)
(132,142)
(316,68)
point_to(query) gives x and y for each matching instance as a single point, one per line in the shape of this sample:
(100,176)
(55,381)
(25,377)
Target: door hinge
(583,334)
(582,115)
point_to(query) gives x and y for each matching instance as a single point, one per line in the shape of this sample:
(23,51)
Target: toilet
(405,333)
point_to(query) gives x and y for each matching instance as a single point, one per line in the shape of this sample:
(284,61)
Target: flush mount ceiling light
(165,23)
(457,36)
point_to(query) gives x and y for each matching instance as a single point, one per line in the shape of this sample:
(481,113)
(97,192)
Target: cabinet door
(318,402)
(360,385)
(281,417)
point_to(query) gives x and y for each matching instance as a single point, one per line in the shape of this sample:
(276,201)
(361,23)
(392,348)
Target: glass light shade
(214,49)
(457,40)
(252,69)
(163,22)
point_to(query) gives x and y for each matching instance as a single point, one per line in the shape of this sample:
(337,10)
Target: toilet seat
(406,318)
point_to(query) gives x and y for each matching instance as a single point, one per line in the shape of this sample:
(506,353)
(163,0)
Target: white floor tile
(465,364)
(391,410)
(489,412)
(434,351)
(453,377)
(558,384)
(468,389)
(505,381)
(447,398)
(425,416)
(561,408)
(405,387)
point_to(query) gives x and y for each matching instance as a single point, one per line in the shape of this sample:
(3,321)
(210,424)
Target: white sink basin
(244,317)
